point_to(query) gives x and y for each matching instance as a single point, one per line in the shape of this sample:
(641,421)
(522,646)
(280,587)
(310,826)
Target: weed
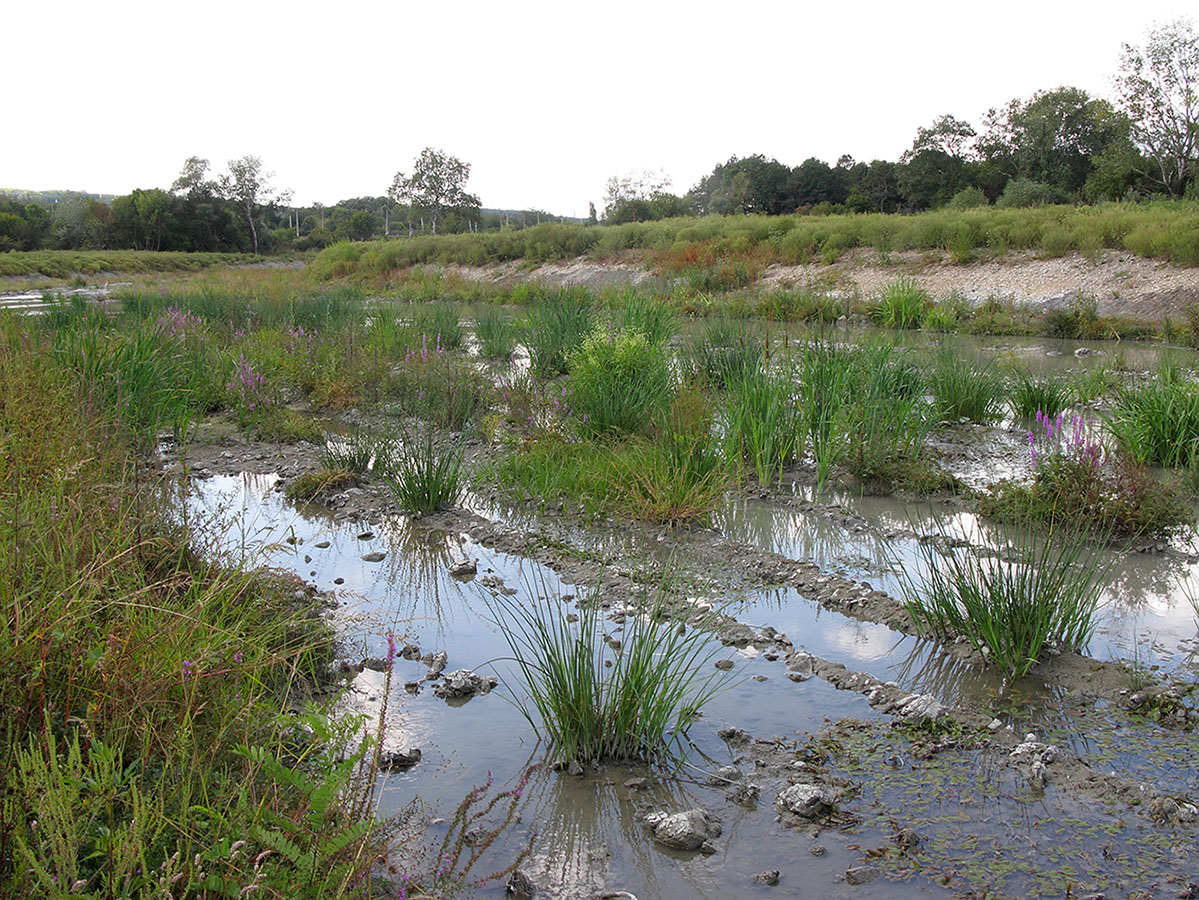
(311,485)
(1029,395)
(1157,423)
(961,391)
(1040,592)
(558,324)
(427,475)
(723,351)
(598,699)
(902,304)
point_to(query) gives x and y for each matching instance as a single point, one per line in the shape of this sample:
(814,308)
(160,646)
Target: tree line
(1058,146)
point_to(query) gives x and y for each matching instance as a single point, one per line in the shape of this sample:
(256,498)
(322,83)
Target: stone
(374,556)
(575,768)
(520,885)
(723,664)
(808,801)
(463,683)
(637,784)
(391,760)
(692,829)
(463,568)
(366,535)
(862,874)
(724,775)
(339,580)
(437,663)
(323,545)
(769,878)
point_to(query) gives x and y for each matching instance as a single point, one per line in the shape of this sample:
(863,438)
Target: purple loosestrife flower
(187,666)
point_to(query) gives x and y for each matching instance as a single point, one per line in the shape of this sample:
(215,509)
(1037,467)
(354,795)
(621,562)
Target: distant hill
(50,198)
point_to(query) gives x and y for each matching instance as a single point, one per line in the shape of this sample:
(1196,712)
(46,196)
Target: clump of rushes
(1029,395)
(1040,592)
(281,425)
(439,323)
(1157,423)
(619,383)
(763,423)
(440,387)
(495,332)
(558,324)
(962,391)
(353,452)
(650,317)
(722,351)
(425,475)
(1078,482)
(902,304)
(598,699)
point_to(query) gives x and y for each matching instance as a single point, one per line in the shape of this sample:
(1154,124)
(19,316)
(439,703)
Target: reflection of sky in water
(1145,614)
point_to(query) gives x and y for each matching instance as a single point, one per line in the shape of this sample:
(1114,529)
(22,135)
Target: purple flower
(187,665)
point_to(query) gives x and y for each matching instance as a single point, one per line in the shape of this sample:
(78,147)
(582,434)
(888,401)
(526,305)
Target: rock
(637,784)
(374,556)
(862,874)
(770,878)
(818,850)
(520,885)
(410,651)
(723,664)
(391,760)
(366,535)
(917,707)
(735,634)
(462,683)
(339,580)
(323,545)
(437,663)
(463,568)
(412,687)
(690,830)
(575,768)
(724,775)
(808,801)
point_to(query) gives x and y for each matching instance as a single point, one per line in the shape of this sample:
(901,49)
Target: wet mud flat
(845,755)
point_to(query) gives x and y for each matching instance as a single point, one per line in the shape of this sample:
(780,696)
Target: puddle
(978,823)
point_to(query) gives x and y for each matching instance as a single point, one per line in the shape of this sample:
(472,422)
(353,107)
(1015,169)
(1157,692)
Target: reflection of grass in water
(981,830)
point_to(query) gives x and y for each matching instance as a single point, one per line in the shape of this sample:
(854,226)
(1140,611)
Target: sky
(545,100)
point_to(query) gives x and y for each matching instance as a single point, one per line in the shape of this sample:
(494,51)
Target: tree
(1053,137)
(247,185)
(436,187)
(193,178)
(948,134)
(1158,87)
(628,197)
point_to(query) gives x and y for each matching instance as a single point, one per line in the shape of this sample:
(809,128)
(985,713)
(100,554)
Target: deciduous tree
(249,186)
(436,187)
(1158,87)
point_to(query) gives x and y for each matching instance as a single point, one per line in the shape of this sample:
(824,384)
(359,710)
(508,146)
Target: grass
(962,391)
(597,701)
(311,485)
(722,351)
(902,304)
(496,333)
(1042,591)
(1028,394)
(426,476)
(763,423)
(1157,423)
(65,263)
(620,382)
(559,322)
(132,667)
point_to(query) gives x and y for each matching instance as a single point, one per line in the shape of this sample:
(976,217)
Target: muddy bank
(1122,284)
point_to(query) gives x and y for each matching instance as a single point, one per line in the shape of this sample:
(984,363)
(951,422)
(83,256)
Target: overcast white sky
(545,100)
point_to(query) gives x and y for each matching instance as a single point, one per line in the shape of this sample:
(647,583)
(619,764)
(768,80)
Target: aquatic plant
(495,332)
(722,351)
(763,422)
(426,475)
(962,391)
(902,304)
(1077,481)
(619,383)
(439,324)
(1157,423)
(1028,394)
(598,698)
(558,324)
(1042,591)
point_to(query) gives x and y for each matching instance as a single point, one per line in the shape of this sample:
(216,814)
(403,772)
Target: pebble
(374,556)
(723,664)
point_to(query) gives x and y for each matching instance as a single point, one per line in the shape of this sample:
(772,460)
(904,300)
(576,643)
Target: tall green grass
(1028,394)
(963,391)
(426,474)
(619,383)
(902,304)
(597,701)
(558,324)
(1041,592)
(1157,423)
(496,333)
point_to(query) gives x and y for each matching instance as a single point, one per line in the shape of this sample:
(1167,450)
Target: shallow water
(979,824)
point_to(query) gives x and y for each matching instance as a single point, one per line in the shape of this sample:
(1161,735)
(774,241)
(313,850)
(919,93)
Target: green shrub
(1022,192)
(619,382)
(440,387)
(763,423)
(967,198)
